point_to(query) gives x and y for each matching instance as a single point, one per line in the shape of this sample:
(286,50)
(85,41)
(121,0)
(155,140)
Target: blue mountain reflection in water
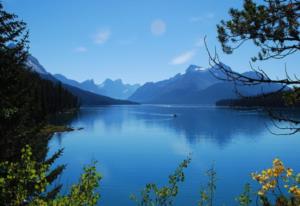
(139,144)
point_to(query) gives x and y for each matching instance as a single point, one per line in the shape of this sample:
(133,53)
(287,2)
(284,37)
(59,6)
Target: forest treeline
(272,100)
(29,100)
(26,100)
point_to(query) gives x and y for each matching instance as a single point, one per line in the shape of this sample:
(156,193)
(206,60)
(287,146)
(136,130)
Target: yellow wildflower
(295,190)
(289,172)
(261,193)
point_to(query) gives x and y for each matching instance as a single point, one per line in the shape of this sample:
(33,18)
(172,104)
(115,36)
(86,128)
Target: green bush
(26,182)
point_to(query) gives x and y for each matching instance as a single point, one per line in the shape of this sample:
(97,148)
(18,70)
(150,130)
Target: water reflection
(217,124)
(139,144)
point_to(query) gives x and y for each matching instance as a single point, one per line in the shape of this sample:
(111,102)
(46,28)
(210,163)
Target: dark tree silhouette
(274,27)
(26,101)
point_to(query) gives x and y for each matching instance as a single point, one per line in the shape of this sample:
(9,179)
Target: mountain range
(198,86)
(85,97)
(115,89)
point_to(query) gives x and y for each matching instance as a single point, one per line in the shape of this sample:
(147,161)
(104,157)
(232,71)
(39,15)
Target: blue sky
(135,40)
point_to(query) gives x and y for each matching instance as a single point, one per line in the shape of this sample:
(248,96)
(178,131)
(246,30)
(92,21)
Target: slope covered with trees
(277,99)
(25,98)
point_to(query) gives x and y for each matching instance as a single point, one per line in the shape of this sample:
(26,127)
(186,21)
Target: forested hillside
(25,98)
(277,99)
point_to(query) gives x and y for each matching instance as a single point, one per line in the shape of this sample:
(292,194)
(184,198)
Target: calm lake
(140,144)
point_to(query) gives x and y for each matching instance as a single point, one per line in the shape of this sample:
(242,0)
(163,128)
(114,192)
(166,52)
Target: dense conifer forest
(26,100)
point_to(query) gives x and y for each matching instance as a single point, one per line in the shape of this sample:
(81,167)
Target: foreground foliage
(163,196)
(26,101)
(207,195)
(279,182)
(279,186)
(26,183)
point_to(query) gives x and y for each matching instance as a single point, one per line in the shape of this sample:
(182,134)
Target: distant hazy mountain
(197,86)
(85,97)
(115,89)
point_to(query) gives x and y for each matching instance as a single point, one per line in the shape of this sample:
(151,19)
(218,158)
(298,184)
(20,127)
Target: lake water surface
(140,144)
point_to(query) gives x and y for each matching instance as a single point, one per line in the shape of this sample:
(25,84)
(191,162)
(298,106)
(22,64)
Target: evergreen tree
(272,26)
(26,101)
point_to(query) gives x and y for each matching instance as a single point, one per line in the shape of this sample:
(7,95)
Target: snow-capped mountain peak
(35,65)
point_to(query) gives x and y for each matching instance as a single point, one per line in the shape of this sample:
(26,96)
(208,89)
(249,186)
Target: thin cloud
(188,55)
(183,58)
(127,41)
(210,15)
(202,18)
(102,36)
(196,18)
(80,49)
(158,27)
